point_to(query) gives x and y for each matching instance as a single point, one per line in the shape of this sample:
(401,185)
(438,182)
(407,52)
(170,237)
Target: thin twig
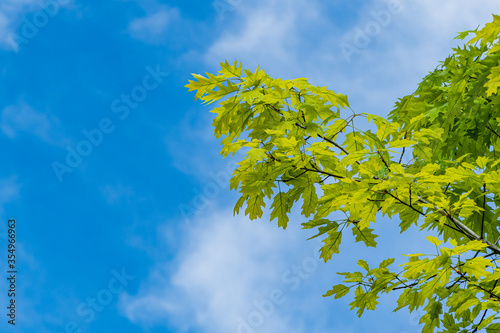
(467,231)
(484,210)
(479,324)
(404,203)
(383,160)
(491,129)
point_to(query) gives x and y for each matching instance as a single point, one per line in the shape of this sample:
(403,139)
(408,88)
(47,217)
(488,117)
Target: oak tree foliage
(432,163)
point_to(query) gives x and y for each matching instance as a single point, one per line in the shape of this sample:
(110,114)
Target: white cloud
(303,40)
(153,27)
(227,268)
(265,33)
(224,266)
(15,25)
(424,32)
(19,118)
(10,12)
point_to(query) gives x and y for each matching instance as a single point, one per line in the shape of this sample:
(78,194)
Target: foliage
(303,148)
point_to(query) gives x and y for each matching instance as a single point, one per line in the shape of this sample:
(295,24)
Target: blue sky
(123,209)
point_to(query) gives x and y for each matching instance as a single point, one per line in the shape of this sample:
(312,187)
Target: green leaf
(364,300)
(493,81)
(386,263)
(366,236)
(363,264)
(280,209)
(310,200)
(332,243)
(330,225)
(254,206)
(230,70)
(338,290)
(434,240)
(477,267)
(464,34)
(487,321)
(431,318)
(493,328)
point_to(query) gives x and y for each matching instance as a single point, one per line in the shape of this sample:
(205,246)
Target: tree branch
(491,129)
(404,203)
(490,293)
(479,324)
(336,145)
(467,231)
(462,227)
(484,210)
(383,160)
(404,149)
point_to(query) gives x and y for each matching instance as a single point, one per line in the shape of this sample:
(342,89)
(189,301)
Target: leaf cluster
(432,163)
